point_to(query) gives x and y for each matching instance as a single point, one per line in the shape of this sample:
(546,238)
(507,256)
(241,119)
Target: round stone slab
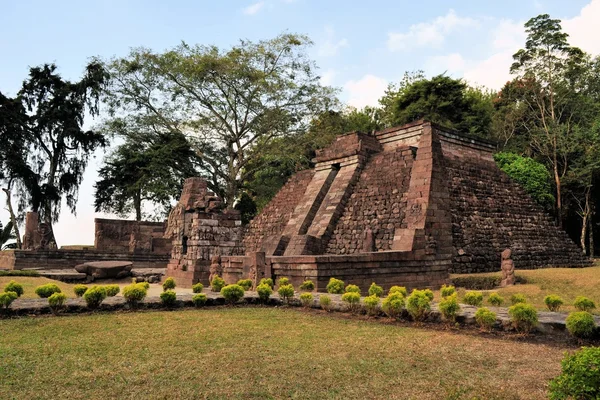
(105,269)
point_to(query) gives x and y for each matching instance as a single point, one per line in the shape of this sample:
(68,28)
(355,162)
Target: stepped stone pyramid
(406,205)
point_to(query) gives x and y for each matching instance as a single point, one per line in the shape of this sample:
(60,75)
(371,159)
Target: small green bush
(352,289)
(325,302)
(135,293)
(429,294)
(306,299)
(197,288)
(145,285)
(398,289)
(449,307)
(267,281)
(112,290)
(47,290)
(286,292)
(495,299)
(418,304)
(308,285)
(57,302)
(523,316)
(446,291)
(375,290)
(245,283)
(518,298)
(232,293)
(352,299)
(199,299)
(264,291)
(581,324)
(169,284)
(473,298)
(94,296)
(7,298)
(553,302)
(14,287)
(371,303)
(79,290)
(335,286)
(580,376)
(217,284)
(18,272)
(584,304)
(283,281)
(485,318)
(393,304)
(168,298)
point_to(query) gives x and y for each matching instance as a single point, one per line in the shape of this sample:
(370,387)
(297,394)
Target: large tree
(227,102)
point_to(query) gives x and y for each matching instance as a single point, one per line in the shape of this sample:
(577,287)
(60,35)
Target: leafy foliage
(246,284)
(582,303)
(286,292)
(580,376)
(553,302)
(485,318)
(169,284)
(308,285)
(446,291)
(264,291)
(47,290)
(352,299)
(524,317)
(306,299)
(581,324)
(473,298)
(352,288)
(418,304)
(57,302)
(335,286)
(79,290)
(199,299)
(94,296)
(217,284)
(393,304)
(112,290)
(168,298)
(283,281)
(398,289)
(197,288)
(267,281)
(518,298)
(449,307)
(375,290)
(232,293)
(325,302)
(14,286)
(7,298)
(495,299)
(6,235)
(135,293)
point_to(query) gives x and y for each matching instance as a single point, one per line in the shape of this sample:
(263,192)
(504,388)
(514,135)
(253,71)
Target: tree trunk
(558,195)
(583,236)
(591,235)
(13,219)
(137,204)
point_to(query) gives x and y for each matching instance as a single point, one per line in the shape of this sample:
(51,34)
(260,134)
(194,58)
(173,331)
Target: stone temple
(404,206)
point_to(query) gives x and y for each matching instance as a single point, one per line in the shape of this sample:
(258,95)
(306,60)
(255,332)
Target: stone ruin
(404,206)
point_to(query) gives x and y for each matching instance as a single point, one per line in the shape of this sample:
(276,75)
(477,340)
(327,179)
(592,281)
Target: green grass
(260,353)
(30,283)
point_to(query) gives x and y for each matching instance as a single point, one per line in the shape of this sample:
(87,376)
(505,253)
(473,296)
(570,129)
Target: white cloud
(509,35)
(584,29)
(452,63)
(330,45)
(366,91)
(429,34)
(253,8)
(328,76)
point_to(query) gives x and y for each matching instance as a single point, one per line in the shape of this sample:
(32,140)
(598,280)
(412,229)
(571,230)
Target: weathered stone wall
(122,236)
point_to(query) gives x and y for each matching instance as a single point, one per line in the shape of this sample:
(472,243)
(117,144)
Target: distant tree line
(248,117)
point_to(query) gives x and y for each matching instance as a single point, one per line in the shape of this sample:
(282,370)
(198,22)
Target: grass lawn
(568,283)
(261,353)
(30,283)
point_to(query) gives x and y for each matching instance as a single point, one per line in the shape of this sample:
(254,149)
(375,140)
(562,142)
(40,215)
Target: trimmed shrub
(553,302)
(429,294)
(449,307)
(580,377)
(485,318)
(398,289)
(581,324)
(197,288)
(325,302)
(94,296)
(246,284)
(232,293)
(473,298)
(371,304)
(145,285)
(47,290)
(267,281)
(57,302)
(112,290)
(264,291)
(306,299)
(169,284)
(393,304)
(18,272)
(523,317)
(199,299)
(7,298)
(283,281)
(217,284)
(79,290)
(335,286)
(446,291)
(352,299)
(15,287)
(495,299)
(418,304)
(308,285)
(286,292)
(584,304)
(518,298)
(352,289)
(135,293)
(375,290)
(168,298)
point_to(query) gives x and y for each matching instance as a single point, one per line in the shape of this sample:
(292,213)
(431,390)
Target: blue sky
(360,46)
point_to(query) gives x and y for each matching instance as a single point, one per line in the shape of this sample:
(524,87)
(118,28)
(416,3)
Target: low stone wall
(63,259)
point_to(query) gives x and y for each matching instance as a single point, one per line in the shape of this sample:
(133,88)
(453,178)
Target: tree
(6,235)
(228,102)
(49,156)
(146,167)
